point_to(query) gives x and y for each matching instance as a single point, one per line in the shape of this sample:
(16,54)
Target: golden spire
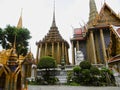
(53,22)
(93,11)
(13,55)
(19,25)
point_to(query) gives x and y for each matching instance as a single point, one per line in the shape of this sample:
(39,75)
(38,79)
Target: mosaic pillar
(93,47)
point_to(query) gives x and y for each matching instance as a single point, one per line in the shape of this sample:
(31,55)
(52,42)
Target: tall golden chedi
(53,45)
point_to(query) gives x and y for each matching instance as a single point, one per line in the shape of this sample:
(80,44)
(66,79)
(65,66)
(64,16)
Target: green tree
(7,38)
(47,62)
(86,74)
(85,65)
(107,76)
(94,70)
(2,38)
(90,75)
(76,69)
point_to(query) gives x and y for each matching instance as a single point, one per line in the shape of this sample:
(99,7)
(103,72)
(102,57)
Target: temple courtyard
(59,87)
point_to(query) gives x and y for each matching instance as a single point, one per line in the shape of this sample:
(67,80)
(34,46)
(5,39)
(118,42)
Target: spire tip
(53,23)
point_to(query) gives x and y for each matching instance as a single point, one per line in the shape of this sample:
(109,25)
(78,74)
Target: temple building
(53,45)
(95,38)
(13,69)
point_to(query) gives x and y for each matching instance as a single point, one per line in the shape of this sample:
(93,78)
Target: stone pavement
(70,88)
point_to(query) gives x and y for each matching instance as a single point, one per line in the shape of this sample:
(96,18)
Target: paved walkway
(70,88)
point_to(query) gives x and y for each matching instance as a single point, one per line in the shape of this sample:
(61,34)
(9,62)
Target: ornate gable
(107,17)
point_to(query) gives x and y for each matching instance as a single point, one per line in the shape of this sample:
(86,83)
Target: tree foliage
(46,62)
(85,65)
(94,70)
(90,75)
(8,35)
(76,69)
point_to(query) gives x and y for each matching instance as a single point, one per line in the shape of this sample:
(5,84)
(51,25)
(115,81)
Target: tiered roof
(106,17)
(53,35)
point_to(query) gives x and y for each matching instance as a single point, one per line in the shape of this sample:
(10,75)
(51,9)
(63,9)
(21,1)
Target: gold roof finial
(19,25)
(29,55)
(13,55)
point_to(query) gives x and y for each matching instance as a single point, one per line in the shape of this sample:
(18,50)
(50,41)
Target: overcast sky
(38,14)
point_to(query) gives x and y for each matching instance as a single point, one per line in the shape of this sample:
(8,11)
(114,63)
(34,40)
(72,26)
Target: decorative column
(65,54)
(97,48)
(90,50)
(52,49)
(15,82)
(11,81)
(37,53)
(103,47)
(73,54)
(63,49)
(77,46)
(15,79)
(45,49)
(7,82)
(67,60)
(87,45)
(58,51)
(40,54)
(23,75)
(93,47)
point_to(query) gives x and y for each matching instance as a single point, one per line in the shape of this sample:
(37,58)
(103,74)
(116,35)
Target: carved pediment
(107,16)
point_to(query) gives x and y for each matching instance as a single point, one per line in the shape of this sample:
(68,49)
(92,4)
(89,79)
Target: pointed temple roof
(53,35)
(93,11)
(106,17)
(19,25)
